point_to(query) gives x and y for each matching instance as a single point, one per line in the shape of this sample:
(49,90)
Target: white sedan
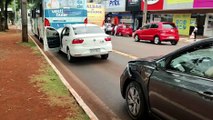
(80,40)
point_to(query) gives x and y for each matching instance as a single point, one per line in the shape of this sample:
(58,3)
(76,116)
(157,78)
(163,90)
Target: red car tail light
(163,31)
(77,41)
(108,39)
(46,22)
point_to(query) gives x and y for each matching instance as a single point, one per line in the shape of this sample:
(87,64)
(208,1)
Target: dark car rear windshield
(168,26)
(87,30)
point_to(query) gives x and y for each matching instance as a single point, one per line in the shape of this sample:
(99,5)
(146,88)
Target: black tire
(120,34)
(60,52)
(138,101)
(70,58)
(157,40)
(137,39)
(104,57)
(174,42)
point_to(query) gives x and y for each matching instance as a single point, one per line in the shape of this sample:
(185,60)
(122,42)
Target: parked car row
(154,32)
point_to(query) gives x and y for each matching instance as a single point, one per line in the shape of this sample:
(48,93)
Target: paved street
(97,81)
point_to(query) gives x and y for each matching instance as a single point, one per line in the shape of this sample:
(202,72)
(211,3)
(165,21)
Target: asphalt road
(98,81)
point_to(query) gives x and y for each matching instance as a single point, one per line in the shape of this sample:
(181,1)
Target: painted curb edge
(79,100)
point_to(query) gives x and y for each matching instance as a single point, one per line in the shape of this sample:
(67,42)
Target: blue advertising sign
(114,5)
(61,12)
(72,12)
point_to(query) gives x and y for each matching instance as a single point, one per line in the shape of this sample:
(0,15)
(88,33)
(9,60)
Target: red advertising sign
(153,5)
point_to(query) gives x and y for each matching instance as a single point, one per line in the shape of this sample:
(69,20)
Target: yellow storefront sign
(95,13)
(178,1)
(183,22)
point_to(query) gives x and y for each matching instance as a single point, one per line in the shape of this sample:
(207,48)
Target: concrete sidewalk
(188,39)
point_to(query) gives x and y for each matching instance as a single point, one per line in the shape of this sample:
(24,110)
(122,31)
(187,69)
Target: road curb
(80,101)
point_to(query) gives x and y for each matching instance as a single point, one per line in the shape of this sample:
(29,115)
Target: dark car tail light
(108,39)
(46,22)
(77,41)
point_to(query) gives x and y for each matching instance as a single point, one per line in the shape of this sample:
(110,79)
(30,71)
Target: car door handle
(206,94)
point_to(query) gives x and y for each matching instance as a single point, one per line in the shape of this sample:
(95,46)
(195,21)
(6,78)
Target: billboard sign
(178,1)
(183,22)
(95,13)
(61,12)
(114,5)
(203,4)
(153,4)
(178,4)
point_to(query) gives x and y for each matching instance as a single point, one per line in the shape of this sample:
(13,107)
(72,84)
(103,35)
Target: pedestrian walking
(195,32)
(115,30)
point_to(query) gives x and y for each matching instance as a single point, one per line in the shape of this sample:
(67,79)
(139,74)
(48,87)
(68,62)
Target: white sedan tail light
(108,39)
(77,41)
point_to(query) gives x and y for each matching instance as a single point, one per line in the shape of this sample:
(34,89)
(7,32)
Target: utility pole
(24,20)
(144,12)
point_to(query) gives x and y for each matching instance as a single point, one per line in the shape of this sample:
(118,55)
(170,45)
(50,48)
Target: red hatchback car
(158,32)
(123,30)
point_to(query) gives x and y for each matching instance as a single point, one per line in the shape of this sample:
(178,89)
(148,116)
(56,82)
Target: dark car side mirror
(161,64)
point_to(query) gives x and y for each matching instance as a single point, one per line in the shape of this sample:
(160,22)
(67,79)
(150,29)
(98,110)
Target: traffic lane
(102,111)
(102,77)
(143,48)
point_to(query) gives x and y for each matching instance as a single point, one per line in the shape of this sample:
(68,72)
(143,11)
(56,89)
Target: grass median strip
(55,92)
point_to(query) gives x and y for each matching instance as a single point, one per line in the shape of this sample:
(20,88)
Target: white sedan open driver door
(51,39)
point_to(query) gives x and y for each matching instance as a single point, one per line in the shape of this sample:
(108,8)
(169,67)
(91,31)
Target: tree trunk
(0,22)
(1,15)
(6,15)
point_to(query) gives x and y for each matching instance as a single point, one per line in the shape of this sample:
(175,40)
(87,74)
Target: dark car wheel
(137,39)
(157,40)
(104,57)
(70,58)
(174,42)
(135,101)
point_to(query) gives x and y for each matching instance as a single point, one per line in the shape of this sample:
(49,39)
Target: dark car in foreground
(177,86)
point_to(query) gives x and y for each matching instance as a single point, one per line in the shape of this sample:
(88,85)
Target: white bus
(54,14)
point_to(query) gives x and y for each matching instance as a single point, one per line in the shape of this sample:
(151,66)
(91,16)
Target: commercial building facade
(185,13)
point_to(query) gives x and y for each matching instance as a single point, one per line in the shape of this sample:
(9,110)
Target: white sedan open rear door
(51,39)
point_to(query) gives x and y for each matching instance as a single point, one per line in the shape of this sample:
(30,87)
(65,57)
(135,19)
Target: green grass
(58,95)
(31,44)
(48,82)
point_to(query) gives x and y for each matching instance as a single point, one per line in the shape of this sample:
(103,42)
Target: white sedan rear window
(87,30)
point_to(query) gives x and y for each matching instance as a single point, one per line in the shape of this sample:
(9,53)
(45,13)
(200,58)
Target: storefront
(207,5)
(208,31)
(114,10)
(185,14)
(134,7)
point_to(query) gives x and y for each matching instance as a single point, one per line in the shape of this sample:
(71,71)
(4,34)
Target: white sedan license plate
(171,37)
(95,50)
